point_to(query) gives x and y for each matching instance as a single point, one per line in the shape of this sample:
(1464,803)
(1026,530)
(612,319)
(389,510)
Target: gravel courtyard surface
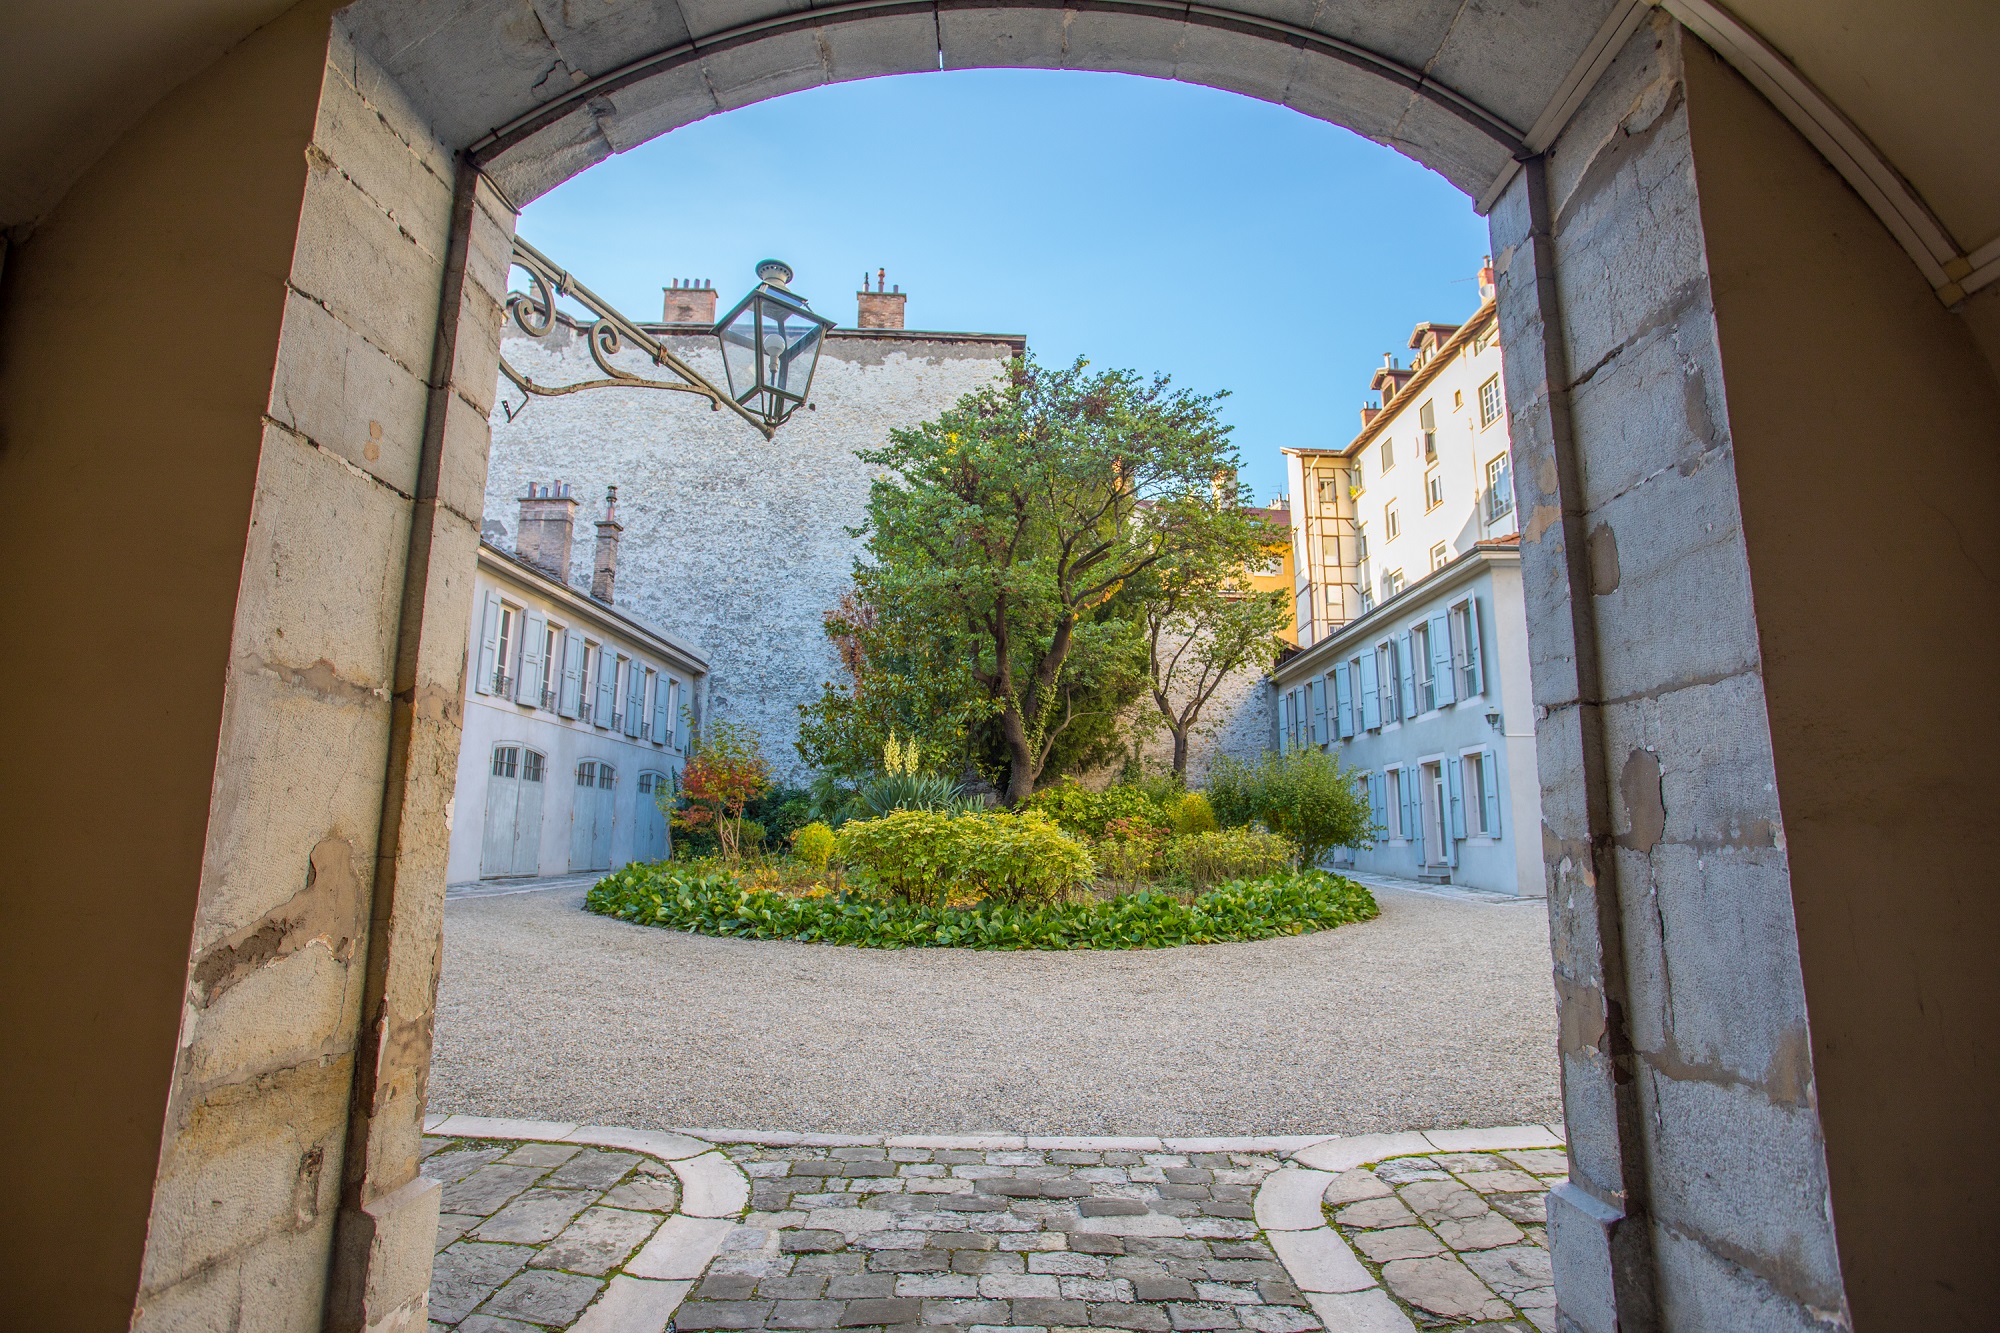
(1439,1012)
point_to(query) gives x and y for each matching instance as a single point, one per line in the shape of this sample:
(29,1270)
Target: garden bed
(711,899)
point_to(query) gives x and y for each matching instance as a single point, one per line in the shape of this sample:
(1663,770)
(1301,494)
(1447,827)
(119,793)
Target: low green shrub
(707,899)
(1086,813)
(918,856)
(1190,812)
(1304,794)
(1205,859)
(814,844)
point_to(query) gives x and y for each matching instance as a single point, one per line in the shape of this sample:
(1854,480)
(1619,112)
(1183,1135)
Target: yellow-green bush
(814,844)
(1085,813)
(1191,813)
(1203,859)
(926,856)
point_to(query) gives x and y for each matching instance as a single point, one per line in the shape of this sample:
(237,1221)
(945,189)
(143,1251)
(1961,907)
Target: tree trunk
(1180,752)
(1021,768)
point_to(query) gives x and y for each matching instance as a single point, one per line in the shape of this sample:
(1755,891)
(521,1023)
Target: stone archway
(341,206)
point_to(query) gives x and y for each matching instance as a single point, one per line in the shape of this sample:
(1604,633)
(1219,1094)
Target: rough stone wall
(1688,1079)
(1236,721)
(306,917)
(737,544)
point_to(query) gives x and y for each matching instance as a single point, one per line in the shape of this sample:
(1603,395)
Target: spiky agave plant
(889,792)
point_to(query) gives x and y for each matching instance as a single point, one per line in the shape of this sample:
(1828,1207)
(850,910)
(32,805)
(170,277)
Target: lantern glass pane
(739,355)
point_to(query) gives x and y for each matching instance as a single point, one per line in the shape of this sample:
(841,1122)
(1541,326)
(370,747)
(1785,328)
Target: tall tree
(1201,630)
(1015,530)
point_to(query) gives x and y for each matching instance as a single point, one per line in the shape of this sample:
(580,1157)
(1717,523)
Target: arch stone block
(1002,38)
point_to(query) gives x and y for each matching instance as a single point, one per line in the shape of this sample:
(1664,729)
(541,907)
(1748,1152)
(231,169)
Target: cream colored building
(1427,478)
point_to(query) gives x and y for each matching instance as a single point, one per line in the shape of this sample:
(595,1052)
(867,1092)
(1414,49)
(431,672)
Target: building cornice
(1430,370)
(1318,659)
(508,565)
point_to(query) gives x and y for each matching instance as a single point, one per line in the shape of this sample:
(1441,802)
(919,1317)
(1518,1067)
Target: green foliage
(1129,855)
(724,773)
(927,856)
(1304,794)
(751,835)
(912,791)
(707,898)
(1204,859)
(1087,813)
(814,844)
(1190,812)
(781,811)
(997,614)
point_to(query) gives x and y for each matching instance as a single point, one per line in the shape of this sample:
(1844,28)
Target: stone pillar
(547,528)
(604,566)
(1698,1188)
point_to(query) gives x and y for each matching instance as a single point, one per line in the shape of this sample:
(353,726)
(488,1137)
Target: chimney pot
(604,567)
(689,301)
(881,308)
(547,526)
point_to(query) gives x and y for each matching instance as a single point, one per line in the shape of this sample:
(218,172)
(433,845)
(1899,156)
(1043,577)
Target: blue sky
(1161,226)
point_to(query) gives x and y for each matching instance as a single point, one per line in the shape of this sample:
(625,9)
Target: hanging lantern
(770,346)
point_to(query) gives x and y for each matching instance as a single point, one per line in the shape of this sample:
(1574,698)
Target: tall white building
(1413,660)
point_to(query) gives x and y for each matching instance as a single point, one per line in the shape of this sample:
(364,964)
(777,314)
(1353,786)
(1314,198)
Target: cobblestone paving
(531,1232)
(638,1232)
(1459,1239)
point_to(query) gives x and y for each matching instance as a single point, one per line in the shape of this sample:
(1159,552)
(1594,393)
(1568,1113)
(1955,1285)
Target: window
(1489,401)
(1392,583)
(1360,543)
(1392,522)
(1465,657)
(1388,455)
(1440,557)
(586,773)
(503,658)
(1433,491)
(1388,675)
(646,784)
(1499,488)
(1457,399)
(1420,666)
(1474,781)
(1482,340)
(607,776)
(1427,423)
(506,760)
(1329,490)
(531,766)
(551,666)
(1398,807)
(1271,566)
(1354,483)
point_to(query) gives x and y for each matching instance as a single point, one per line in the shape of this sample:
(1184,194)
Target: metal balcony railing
(503,684)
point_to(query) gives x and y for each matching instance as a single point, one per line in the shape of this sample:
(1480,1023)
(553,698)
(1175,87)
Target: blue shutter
(489,646)
(1407,664)
(1489,786)
(1371,699)
(1475,669)
(1343,701)
(681,707)
(1411,789)
(663,718)
(635,698)
(1319,710)
(1455,785)
(1378,803)
(1439,636)
(569,694)
(606,700)
(533,669)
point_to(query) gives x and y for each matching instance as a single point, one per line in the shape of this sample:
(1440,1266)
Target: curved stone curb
(1323,1266)
(714,1194)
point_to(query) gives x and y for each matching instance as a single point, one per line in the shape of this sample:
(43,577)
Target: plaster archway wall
(218,1051)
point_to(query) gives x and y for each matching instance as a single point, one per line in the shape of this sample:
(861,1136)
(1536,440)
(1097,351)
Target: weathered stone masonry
(736,543)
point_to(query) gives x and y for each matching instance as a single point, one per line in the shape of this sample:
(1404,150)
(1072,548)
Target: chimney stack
(548,525)
(879,309)
(604,570)
(1488,286)
(1368,413)
(689,301)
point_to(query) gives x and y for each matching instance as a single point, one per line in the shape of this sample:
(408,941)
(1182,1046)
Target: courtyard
(1435,1014)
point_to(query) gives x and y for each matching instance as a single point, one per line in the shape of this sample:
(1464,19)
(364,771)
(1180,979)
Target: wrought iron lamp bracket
(534,312)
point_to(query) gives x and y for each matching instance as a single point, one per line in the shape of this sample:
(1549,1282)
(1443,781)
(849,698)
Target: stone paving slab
(581,1227)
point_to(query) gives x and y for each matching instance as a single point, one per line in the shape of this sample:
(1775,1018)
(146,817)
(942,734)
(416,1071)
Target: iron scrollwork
(534,312)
